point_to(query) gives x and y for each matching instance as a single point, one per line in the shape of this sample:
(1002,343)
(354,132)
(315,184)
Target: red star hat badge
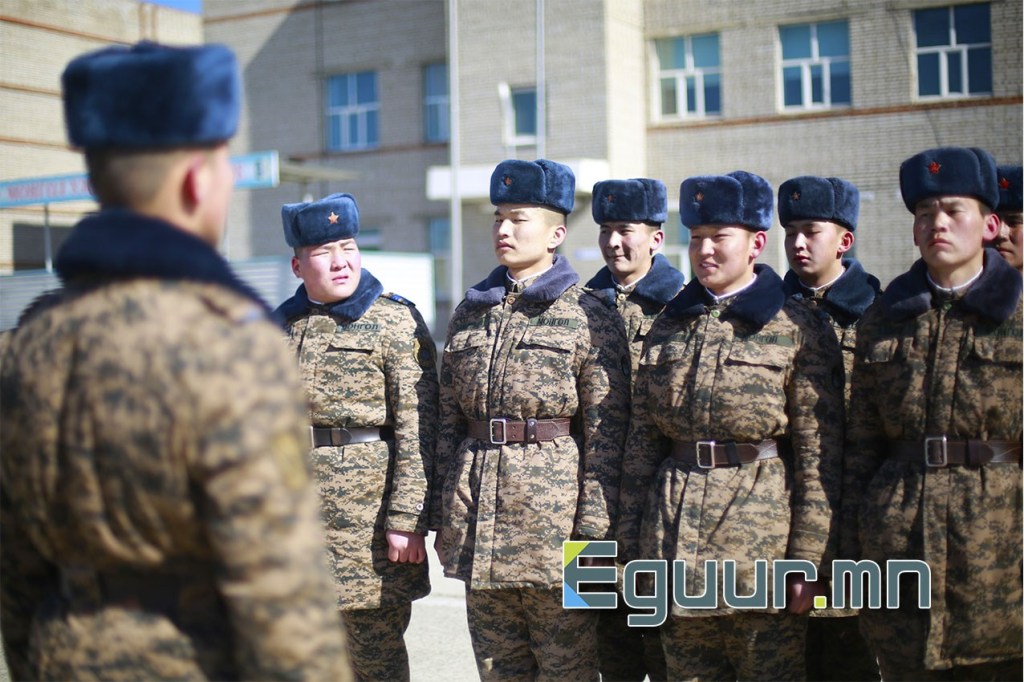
(934,167)
(699,196)
(1004,183)
(333,218)
(795,196)
(610,198)
(507,181)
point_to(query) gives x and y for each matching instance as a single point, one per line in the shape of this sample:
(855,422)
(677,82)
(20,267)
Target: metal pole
(454,152)
(541,98)
(47,242)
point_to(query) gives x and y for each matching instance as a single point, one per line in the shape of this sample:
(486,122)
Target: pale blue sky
(194,6)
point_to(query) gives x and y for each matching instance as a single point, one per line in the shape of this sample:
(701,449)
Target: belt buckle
(492,428)
(941,461)
(710,445)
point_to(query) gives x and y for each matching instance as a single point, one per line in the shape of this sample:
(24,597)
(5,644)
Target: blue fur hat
(640,200)
(541,182)
(1009,179)
(150,96)
(332,218)
(812,198)
(738,198)
(949,171)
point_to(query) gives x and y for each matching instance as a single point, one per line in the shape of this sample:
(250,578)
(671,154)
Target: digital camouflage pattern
(927,365)
(159,518)
(379,370)
(553,351)
(754,367)
(376,641)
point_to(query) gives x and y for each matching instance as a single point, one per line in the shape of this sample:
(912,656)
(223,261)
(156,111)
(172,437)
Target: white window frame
(359,111)
(944,51)
(806,64)
(680,76)
(438,103)
(506,96)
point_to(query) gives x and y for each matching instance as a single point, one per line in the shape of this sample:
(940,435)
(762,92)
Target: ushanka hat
(637,200)
(541,182)
(738,198)
(809,197)
(330,219)
(949,171)
(150,96)
(1009,181)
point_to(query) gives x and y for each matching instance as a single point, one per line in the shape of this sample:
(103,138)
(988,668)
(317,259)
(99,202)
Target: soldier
(159,518)
(371,375)
(638,281)
(934,434)
(534,402)
(732,441)
(1010,208)
(820,219)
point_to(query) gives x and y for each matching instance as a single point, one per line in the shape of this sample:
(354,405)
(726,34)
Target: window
(815,65)
(370,239)
(519,111)
(954,51)
(439,239)
(689,77)
(435,102)
(353,109)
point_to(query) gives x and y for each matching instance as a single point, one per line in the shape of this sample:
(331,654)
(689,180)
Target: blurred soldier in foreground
(820,219)
(1008,241)
(934,438)
(534,402)
(371,374)
(159,518)
(638,281)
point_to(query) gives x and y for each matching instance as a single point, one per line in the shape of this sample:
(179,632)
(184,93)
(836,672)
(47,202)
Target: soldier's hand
(406,547)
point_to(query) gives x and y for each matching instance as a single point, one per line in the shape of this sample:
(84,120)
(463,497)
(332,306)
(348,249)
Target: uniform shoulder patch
(398,299)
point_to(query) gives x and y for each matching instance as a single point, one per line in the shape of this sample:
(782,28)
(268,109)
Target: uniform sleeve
(260,509)
(603,386)
(411,377)
(451,432)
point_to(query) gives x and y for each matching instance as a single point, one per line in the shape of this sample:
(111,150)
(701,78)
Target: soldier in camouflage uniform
(371,374)
(534,402)
(934,434)
(820,219)
(158,516)
(638,281)
(1009,242)
(733,439)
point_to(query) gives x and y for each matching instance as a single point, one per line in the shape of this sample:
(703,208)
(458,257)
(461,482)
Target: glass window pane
(439,235)
(796,41)
(668,97)
(954,73)
(931,27)
(839,73)
(435,80)
(691,94)
(817,84)
(972,24)
(792,88)
(928,75)
(352,134)
(366,87)
(705,50)
(979,70)
(371,129)
(663,46)
(712,94)
(525,105)
(834,39)
(337,91)
(334,132)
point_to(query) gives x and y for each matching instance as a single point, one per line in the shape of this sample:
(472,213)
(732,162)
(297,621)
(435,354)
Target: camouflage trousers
(837,652)
(525,634)
(628,654)
(376,642)
(740,646)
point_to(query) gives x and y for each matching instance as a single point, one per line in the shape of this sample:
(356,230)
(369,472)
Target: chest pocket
(997,350)
(465,361)
(644,327)
(887,350)
(767,356)
(346,341)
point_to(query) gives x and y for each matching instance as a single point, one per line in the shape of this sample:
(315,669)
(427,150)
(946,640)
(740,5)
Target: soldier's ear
(757,243)
(557,237)
(846,240)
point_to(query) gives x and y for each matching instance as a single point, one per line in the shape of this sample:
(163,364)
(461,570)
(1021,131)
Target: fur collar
(547,288)
(757,304)
(994,295)
(848,298)
(351,309)
(121,244)
(659,285)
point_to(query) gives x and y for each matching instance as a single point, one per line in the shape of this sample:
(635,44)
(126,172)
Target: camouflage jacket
(931,365)
(369,361)
(159,517)
(756,367)
(554,351)
(640,306)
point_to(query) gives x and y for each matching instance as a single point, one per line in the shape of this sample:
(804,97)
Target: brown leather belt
(500,430)
(939,451)
(334,436)
(710,454)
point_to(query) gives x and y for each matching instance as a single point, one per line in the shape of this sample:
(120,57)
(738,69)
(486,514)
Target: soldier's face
(1008,240)
(722,256)
(628,248)
(949,231)
(525,237)
(330,271)
(814,249)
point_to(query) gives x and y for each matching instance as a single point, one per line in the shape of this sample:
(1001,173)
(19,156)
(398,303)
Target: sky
(194,6)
